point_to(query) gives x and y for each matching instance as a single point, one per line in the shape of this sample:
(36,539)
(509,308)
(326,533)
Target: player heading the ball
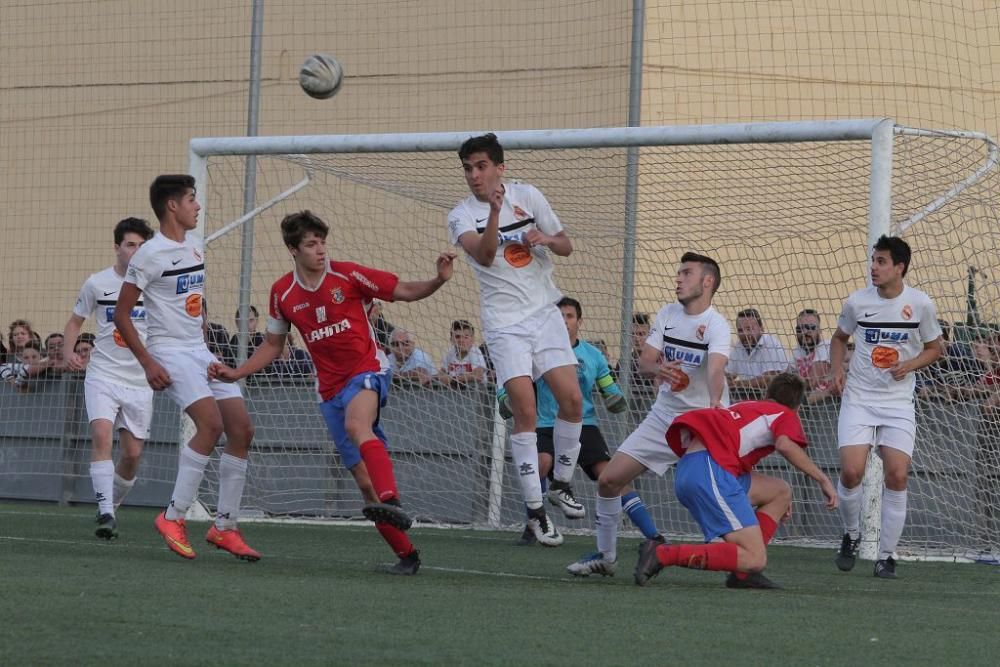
(896,333)
(169,272)
(328,303)
(507,231)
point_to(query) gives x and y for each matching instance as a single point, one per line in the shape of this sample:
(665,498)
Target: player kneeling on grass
(328,303)
(718,448)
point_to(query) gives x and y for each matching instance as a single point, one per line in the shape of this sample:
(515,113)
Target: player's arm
(70,333)
(798,458)
(838,350)
(414,290)
(128,296)
(558,243)
(927,356)
(269,350)
(716,378)
(614,400)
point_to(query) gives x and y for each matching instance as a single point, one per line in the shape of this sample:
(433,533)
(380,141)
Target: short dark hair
(572,303)
(166,187)
(85,337)
(751,312)
(808,311)
(54,334)
(640,319)
(32,345)
(708,265)
(462,325)
(485,143)
(250,309)
(898,249)
(135,226)
(786,388)
(295,226)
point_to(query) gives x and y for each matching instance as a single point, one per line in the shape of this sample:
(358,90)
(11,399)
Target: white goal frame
(879,132)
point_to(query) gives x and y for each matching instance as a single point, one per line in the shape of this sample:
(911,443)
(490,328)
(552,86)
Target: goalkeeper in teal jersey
(592,370)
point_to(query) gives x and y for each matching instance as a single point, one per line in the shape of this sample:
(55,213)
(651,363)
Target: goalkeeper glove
(615,403)
(503,404)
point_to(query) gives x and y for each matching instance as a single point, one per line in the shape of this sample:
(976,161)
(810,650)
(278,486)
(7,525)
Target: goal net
(787,209)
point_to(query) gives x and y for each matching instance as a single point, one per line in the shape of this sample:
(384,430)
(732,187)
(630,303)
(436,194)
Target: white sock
(566,443)
(122,487)
(232,477)
(190,470)
(850,508)
(524,448)
(893,519)
(102,475)
(609,515)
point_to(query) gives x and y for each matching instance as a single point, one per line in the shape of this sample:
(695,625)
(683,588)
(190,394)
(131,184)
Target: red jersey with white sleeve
(739,436)
(333,320)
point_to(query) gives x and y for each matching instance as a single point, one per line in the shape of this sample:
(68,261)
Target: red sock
(396,539)
(379,469)
(767,528)
(720,557)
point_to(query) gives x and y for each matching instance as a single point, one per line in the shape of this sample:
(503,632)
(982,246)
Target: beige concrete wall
(97,98)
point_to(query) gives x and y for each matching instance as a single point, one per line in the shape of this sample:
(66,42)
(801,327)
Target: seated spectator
(294,362)
(638,383)
(83,346)
(254,338)
(958,365)
(756,359)
(382,328)
(31,357)
(54,349)
(463,363)
(811,356)
(19,334)
(407,362)
(984,385)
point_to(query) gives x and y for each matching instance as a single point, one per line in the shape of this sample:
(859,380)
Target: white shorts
(188,369)
(129,408)
(647,444)
(531,347)
(861,424)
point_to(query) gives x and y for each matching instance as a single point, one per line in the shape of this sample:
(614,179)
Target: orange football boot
(231,541)
(175,535)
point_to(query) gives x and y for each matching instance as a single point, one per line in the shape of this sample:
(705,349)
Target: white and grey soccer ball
(320,76)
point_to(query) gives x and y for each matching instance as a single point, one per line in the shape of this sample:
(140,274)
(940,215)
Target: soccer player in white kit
(686,351)
(506,230)
(896,333)
(169,273)
(115,389)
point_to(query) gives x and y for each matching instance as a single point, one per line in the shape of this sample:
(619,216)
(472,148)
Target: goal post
(791,209)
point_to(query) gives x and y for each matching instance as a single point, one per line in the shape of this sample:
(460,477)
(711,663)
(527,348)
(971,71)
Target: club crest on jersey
(321,315)
(190,281)
(875,336)
(907,312)
(337,294)
(701,332)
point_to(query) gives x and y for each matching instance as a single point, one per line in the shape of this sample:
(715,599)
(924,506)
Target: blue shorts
(717,499)
(334,409)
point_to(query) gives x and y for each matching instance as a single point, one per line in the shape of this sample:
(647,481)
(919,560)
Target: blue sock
(545,487)
(637,512)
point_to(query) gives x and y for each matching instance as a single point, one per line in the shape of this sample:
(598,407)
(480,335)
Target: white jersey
(171,276)
(689,339)
(455,365)
(804,360)
(767,356)
(111,360)
(885,331)
(519,282)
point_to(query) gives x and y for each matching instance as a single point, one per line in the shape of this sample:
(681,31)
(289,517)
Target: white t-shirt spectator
(804,360)
(767,356)
(455,365)
(419,359)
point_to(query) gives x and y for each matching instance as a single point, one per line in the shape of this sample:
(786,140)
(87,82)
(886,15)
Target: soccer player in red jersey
(328,301)
(718,448)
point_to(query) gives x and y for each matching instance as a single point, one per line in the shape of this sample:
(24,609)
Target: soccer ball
(320,76)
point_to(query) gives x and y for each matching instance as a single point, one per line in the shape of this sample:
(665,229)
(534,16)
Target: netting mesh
(788,223)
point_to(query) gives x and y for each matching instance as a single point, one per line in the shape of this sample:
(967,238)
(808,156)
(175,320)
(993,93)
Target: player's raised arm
(483,247)
(128,296)
(798,457)
(265,353)
(414,290)
(716,378)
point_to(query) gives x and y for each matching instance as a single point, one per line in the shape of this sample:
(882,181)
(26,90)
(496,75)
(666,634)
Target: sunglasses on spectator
(799,328)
